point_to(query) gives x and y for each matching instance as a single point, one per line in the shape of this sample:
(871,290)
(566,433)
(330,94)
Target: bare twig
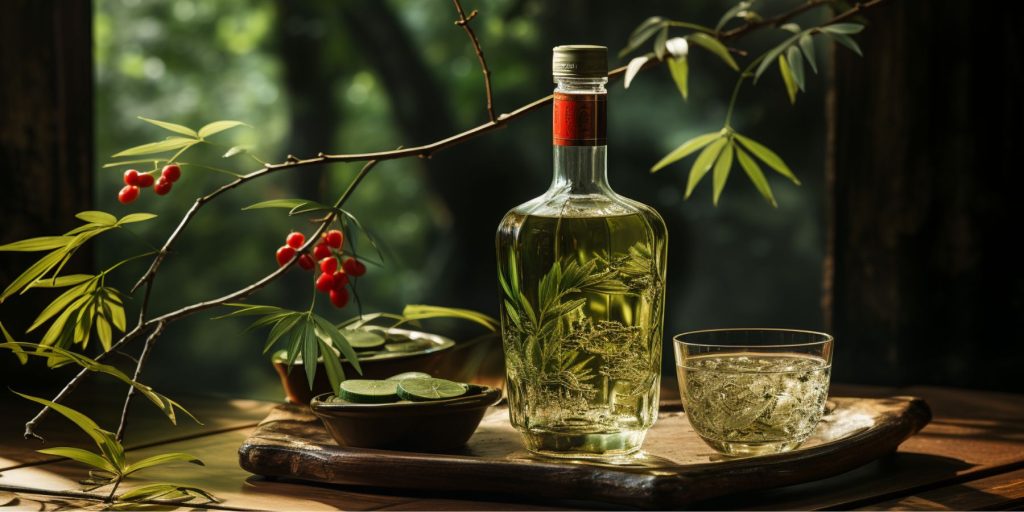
(778,20)
(146,348)
(463,21)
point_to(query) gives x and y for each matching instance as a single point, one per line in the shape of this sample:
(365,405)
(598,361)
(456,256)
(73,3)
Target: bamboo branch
(146,348)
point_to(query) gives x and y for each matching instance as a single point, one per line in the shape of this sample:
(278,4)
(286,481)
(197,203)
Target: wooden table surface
(971,456)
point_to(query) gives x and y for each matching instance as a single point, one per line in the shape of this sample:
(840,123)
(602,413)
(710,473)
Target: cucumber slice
(421,390)
(362,391)
(408,346)
(363,340)
(410,375)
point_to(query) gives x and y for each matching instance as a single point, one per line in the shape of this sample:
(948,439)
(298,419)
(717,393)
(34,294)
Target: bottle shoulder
(557,204)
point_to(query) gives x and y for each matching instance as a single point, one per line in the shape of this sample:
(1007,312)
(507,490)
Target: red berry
(162,186)
(339,298)
(306,262)
(354,267)
(295,239)
(334,238)
(321,251)
(128,194)
(171,172)
(131,177)
(146,180)
(325,283)
(284,255)
(329,265)
(340,280)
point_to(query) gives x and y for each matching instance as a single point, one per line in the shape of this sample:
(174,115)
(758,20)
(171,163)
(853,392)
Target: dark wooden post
(46,134)
(922,283)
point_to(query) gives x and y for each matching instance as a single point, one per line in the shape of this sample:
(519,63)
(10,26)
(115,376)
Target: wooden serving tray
(676,468)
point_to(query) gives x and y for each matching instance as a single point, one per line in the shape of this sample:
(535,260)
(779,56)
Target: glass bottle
(582,282)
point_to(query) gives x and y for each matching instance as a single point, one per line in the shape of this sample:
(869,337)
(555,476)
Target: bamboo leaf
(280,328)
(234,150)
(13,346)
(792,28)
(136,217)
(332,366)
(163,146)
(84,456)
(703,163)
(56,335)
(843,28)
(424,311)
(117,315)
(807,46)
(176,128)
(848,42)
(769,57)
(659,43)
(310,351)
(163,458)
(61,302)
(756,176)
(104,332)
(642,33)
(768,156)
(796,65)
(37,270)
(680,71)
(217,127)
(338,341)
(41,243)
(721,172)
(62,281)
(685,149)
(97,217)
(104,440)
(634,67)
(279,203)
(731,13)
(714,46)
(787,78)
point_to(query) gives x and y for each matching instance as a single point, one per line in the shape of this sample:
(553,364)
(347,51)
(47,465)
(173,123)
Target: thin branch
(778,20)
(146,348)
(463,21)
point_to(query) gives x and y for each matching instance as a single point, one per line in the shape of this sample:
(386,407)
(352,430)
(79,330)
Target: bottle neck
(580,136)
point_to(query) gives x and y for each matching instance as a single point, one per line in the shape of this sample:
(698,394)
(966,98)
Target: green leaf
(714,46)
(41,243)
(769,157)
(279,203)
(162,491)
(721,172)
(642,33)
(796,65)
(176,128)
(680,71)
(13,346)
(424,311)
(332,366)
(807,46)
(792,28)
(787,78)
(37,270)
(104,332)
(848,42)
(62,281)
(103,439)
(338,341)
(163,458)
(84,456)
(310,351)
(61,302)
(756,176)
(685,149)
(117,315)
(217,127)
(234,150)
(843,28)
(97,217)
(769,57)
(280,328)
(659,43)
(136,217)
(57,334)
(129,162)
(249,310)
(163,146)
(703,163)
(731,13)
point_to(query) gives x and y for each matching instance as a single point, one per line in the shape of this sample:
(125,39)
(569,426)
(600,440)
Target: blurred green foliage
(193,61)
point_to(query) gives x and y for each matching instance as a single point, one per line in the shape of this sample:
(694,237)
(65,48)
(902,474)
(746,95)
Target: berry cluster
(134,182)
(334,278)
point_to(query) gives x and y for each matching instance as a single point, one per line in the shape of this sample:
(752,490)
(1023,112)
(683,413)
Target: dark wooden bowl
(378,366)
(416,426)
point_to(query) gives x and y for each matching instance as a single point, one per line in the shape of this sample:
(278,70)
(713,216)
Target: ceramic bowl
(415,426)
(374,366)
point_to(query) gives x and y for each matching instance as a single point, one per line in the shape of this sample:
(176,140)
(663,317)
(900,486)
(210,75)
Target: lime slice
(410,375)
(362,391)
(363,340)
(421,390)
(409,346)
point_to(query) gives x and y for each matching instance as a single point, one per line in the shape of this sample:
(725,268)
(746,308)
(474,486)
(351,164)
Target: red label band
(580,119)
